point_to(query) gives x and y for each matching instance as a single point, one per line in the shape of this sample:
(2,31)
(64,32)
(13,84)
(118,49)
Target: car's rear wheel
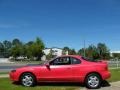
(93,81)
(27,79)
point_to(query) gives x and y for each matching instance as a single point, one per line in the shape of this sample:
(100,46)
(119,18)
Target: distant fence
(114,63)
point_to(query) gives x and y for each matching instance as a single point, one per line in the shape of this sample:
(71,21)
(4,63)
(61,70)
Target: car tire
(28,80)
(93,81)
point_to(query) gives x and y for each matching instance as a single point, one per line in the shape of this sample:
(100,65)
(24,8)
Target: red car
(71,68)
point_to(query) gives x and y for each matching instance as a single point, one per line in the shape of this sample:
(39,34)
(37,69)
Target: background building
(54,51)
(115,53)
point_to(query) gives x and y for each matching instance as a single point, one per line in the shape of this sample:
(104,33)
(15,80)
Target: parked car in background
(70,68)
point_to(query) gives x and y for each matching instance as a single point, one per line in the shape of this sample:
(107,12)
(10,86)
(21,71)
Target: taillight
(106,68)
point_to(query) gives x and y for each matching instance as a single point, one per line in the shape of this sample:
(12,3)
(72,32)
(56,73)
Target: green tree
(7,44)
(65,49)
(72,52)
(92,52)
(103,51)
(35,49)
(69,50)
(7,47)
(29,43)
(38,47)
(1,49)
(16,51)
(81,52)
(100,51)
(29,51)
(17,48)
(16,42)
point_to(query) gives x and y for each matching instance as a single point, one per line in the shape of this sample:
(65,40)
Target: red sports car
(71,68)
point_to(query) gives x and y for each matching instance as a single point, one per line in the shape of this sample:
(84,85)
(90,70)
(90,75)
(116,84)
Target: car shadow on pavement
(55,84)
(104,84)
(60,84)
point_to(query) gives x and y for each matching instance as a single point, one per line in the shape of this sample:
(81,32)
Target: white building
(55,52)
(112,52)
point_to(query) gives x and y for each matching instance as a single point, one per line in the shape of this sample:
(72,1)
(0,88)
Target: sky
(62,22)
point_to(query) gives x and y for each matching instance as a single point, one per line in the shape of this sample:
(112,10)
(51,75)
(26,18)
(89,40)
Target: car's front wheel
(93,81)
(28,80)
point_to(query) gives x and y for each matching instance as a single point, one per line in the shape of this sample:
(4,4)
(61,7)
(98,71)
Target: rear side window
(75,60)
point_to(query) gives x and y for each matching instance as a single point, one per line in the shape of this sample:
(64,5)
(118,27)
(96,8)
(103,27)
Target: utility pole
(84,48)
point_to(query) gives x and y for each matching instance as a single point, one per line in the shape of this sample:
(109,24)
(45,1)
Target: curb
(4,75)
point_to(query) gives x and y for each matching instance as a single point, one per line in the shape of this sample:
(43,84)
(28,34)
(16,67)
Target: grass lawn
(115,75)
(6,84)
(4,73)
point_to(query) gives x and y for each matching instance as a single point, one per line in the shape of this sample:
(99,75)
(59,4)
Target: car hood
(29,66)
(34,64)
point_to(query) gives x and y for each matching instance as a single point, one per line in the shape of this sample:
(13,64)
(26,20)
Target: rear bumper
(106,75)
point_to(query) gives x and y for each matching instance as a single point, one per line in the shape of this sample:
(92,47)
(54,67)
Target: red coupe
(71,68)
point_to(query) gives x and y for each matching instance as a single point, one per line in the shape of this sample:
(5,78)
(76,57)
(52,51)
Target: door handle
(68,68)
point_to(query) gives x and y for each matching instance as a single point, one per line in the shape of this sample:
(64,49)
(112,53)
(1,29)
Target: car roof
(76,56)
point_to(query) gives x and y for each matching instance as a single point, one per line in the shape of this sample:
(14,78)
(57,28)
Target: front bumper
(13,76)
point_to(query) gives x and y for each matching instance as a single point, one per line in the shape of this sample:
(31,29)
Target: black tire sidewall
(33,77)
(86,81)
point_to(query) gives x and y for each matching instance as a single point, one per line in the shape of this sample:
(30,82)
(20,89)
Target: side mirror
(47,65)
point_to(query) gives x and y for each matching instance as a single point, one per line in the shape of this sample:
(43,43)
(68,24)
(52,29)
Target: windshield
(45,62)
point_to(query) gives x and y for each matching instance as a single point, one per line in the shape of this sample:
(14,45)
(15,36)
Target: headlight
(13,71)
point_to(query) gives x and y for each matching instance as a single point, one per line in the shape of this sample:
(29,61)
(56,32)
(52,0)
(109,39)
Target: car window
(75,60)
(61,61)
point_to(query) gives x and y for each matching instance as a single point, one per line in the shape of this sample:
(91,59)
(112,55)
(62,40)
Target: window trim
(71,62)
(59,58)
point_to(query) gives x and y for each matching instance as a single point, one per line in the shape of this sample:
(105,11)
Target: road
(6,67)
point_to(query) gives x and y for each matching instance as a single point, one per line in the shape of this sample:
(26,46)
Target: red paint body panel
(64,73)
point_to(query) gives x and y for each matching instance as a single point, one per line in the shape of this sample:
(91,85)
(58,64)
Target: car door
(58,70)
(77,69)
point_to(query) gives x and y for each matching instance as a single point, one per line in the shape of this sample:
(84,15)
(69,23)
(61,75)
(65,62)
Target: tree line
(100,51)
(34,50)
(16,48)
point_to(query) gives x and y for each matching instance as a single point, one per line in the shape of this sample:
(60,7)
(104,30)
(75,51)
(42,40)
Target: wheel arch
(27,72)
(92,73)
